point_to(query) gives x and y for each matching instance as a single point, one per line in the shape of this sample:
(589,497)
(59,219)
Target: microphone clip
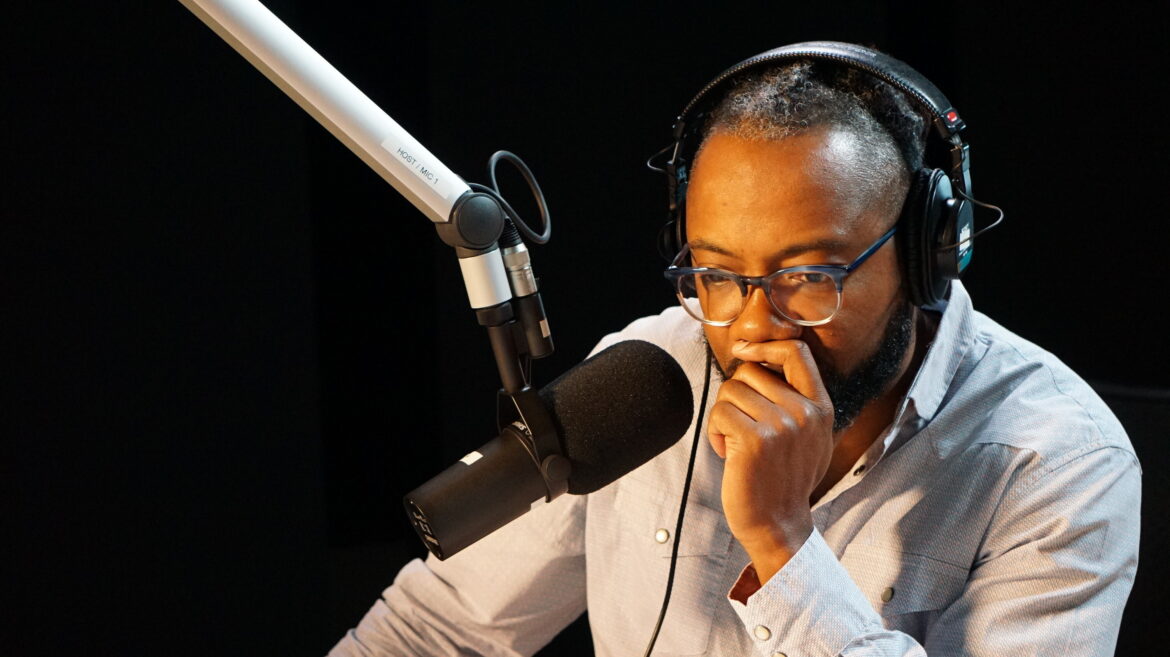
(523,416)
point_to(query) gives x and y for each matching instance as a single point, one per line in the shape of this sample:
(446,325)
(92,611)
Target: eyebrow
(827,244)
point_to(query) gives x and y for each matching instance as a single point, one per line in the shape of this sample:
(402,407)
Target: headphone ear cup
(931,216)
(672,236)
(917,229)
(669,242)
(957,225)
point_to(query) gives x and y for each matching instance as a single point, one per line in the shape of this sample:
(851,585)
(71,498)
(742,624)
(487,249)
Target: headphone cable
(971,238)
(682,508)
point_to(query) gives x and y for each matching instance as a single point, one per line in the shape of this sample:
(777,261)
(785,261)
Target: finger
(793,358)
(788,412)
(718,441)
(757,379)
(724,423)
(759,393)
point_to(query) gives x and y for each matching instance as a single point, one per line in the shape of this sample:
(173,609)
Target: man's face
(757,206)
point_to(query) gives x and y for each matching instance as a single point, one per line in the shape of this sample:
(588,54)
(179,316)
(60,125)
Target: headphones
(937,220)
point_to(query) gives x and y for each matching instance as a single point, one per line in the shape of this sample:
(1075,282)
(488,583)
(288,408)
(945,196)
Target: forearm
(507,595)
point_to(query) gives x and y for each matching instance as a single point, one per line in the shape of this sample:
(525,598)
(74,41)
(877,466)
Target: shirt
(997,515)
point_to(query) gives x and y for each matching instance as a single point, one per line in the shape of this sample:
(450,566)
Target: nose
(759,321)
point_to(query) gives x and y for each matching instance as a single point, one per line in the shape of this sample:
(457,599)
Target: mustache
(732,366)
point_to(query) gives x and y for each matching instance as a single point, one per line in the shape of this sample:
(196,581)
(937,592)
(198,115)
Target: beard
(851,391)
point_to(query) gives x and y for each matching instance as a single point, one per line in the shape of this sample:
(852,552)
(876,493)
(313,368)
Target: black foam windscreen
(617,410)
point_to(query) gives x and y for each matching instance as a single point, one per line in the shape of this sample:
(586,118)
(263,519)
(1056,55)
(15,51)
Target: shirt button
(859,470)
(888,594)
(762,633)
(779,654)
(662,536)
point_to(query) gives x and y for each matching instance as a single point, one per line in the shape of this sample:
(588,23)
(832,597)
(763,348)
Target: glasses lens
(710,296)
(806,295)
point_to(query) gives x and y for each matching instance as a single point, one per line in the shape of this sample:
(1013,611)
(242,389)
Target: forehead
(811,186)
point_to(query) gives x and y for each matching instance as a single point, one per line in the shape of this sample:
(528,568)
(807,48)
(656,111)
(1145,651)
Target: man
(882,477)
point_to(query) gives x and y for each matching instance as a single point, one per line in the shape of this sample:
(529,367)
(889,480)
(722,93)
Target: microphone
(612,413)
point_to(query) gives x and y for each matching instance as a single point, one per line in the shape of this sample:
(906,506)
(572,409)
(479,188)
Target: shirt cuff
(810,607)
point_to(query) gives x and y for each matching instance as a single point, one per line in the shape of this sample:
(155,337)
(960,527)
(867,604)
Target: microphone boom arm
(469,221)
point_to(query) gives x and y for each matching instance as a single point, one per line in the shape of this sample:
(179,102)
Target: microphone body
(612,413)
(484,491)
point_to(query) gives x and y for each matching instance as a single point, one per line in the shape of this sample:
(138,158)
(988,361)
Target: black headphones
(937,222)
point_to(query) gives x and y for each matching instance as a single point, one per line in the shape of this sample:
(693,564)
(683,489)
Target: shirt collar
(952,343)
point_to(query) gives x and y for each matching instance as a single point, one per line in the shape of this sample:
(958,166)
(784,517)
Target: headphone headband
(944,117)
(893,71)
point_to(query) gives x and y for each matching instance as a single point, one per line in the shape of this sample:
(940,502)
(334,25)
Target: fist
(772,423)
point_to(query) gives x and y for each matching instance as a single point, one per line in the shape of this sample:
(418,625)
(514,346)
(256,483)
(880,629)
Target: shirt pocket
(908,590)
(648,518)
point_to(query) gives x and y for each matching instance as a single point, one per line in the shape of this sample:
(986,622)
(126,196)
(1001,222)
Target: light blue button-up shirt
(998,515)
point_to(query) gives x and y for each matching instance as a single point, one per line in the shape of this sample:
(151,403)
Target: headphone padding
(916,233)
(670,240)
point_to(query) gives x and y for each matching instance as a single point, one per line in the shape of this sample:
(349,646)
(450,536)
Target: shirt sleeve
(809,607)
(508,594)
(1057,567)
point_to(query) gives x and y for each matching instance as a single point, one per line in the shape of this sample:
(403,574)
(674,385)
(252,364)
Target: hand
(772,422)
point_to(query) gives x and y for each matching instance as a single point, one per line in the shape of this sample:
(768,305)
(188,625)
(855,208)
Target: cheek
(837,349)
(718,337)
(857,329)
(852,336)
(829,347)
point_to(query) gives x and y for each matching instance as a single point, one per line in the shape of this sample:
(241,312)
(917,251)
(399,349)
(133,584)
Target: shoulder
(672,330)
(1017,397)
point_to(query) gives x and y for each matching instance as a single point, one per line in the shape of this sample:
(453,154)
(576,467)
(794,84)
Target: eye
(807,278)
(717,281)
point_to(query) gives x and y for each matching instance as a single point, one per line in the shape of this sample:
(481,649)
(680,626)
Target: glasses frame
(674,273)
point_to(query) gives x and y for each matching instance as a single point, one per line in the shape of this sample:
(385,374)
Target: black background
(229,347)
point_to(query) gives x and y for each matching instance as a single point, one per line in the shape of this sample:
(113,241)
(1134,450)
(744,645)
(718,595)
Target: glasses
(808,295)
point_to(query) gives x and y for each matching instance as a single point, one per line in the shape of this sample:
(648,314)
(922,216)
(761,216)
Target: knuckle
(790,423)
(719,409)
(808,416)
(804,417)
(727,390)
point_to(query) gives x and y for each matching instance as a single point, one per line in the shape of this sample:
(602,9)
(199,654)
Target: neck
(877,415)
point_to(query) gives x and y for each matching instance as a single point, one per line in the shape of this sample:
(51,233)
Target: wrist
(770,550)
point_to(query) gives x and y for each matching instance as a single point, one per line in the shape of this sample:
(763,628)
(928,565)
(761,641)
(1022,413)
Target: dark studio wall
(230,348)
